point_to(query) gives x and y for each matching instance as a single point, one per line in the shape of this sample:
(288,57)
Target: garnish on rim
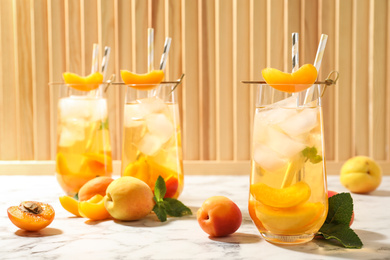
(145,81)
(297,81)
(88,83)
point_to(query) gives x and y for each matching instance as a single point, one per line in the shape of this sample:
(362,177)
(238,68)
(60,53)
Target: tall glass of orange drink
(152,137)
(288,195)
(83,140)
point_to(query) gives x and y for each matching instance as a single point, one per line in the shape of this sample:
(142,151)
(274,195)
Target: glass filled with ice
(83,137)
(152,137)
(288,195)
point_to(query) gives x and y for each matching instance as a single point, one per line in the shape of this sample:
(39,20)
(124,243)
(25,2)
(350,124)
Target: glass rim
(249,82)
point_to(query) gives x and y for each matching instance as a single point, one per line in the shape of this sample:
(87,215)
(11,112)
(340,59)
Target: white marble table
(178,238)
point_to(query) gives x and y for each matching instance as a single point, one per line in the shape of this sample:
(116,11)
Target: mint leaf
(336,225)
(103,125)
(160,189)
(340,209)
(167,206)
(310,153)
(342,233)
(76,196)
(175,208)
(159,210)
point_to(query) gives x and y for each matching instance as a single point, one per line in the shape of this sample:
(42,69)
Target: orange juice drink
(288,195)
(83,144)
(152,138)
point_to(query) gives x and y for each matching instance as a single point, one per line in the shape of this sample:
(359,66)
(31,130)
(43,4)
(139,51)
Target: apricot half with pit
(31,215)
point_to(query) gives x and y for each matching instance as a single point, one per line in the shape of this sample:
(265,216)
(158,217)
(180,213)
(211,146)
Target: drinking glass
(288,192)
(152,137)
(83,137)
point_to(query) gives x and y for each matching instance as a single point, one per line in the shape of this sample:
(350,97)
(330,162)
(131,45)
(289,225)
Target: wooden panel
(9,117)
(224,79)
(207,80)
(23,71)
(360,80)
(344,93)
(327,26)
(57,62)
(191,83)
(217,44)
(378,37)
(40,76)
(241,95)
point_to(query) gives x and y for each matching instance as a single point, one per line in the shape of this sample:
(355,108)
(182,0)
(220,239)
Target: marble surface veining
(179,238)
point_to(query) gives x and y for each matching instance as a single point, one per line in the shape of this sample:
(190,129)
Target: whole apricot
(128,198)
(219,216)
(31,215)
(95,186)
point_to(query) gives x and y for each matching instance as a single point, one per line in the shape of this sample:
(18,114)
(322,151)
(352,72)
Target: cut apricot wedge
(281,198)
(146,81)
(99,160)
(70,204)
(88,83)
(297,81)
(94,208)
(294,220)
(31,215)
(138,169)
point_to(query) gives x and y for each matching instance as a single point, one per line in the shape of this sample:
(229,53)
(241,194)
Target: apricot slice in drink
(70,204)
(172,184)
(281,198)
(297,81)
(31,215)
(90,82)
(292,220)
(101,160)
(145,81)
(138,169)
(94,208)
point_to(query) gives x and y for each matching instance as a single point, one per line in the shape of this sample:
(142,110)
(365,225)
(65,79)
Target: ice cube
(259,129)
(133,116)
(72,130)
(267,158)
(300,123)
(159,125)
(93,109)
(283,144)
(276,115)
(152,105)
(149,144)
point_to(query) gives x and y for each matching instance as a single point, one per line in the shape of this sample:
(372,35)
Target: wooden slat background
(216,44)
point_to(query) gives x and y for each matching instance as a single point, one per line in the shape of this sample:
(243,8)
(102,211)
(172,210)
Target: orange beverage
(152,138)
(288,195)
(83,144)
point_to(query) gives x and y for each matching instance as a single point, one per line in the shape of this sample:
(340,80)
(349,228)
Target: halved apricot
(90,82)
(31,215)
(94,208)
(297,81)
(292,220)
(145,81)
(70,204)
(281,198)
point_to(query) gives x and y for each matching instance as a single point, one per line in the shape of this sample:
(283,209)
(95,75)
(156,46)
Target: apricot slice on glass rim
(145,81)
(70,204)
(281,198)
(94,208)
(88,83)
(297,81)
(31,215)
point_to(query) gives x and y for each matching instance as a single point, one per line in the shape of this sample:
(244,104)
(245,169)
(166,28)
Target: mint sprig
(167,206)
(310,153)
(336,225)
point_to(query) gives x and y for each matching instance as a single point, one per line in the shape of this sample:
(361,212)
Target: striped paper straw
(295,52)
(106,58)
(164,56)
(317,64)
(150,49)
(95,58)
